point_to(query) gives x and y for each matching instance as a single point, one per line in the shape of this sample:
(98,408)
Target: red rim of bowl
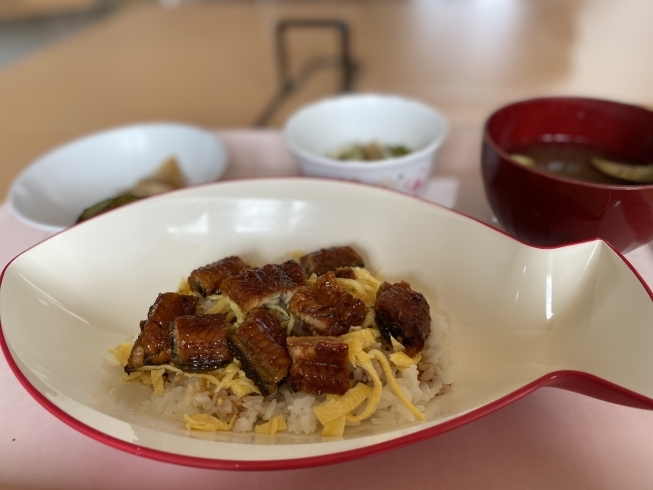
(487,138)
(553,378)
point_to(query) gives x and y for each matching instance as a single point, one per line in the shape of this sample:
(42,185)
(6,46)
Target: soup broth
(569,160)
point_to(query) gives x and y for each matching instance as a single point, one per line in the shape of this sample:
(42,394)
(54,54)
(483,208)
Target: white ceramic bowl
(317,130)
(54,190)
(520,317)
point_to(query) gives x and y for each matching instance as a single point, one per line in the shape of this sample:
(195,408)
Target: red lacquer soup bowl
(548,209)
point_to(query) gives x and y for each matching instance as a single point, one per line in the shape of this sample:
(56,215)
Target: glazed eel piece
(319,365)
(260,346)
(199,342)
(206,280)
(403,314)
(325,308)
(153,344)
(330,259)
(254,287)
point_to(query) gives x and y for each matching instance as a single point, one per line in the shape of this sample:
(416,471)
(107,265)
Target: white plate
(54,190)
(520,317)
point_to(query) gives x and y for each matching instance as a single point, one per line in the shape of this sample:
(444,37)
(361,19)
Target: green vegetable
(370,152)
(106,205)
(398,151)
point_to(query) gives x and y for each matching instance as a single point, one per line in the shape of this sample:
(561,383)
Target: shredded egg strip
(207,423)
(157,380)
(220,306)
(364,276)
(288,324)
(336,406)
(393,383)
(370,318)
(133,375)
(184,287)
(122,352)
(311,279)
(240,316)
(335,410)
(357,341)
(364,287)
(224,306)
(403,360)
(396,345)
(365,361)
(336,427)
(224,378)
(363,338)
(358,290)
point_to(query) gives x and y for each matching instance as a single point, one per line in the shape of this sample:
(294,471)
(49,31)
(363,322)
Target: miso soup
(570,160)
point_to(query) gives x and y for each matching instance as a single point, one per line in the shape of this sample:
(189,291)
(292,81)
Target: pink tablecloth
(549,440)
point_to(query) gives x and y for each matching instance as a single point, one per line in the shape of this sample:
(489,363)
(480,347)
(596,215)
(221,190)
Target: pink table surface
(550,439)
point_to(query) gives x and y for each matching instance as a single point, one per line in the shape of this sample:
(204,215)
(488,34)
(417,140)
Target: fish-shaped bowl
(576,317)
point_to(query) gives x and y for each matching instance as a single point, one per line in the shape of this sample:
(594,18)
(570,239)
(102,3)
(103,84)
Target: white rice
(420,383)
